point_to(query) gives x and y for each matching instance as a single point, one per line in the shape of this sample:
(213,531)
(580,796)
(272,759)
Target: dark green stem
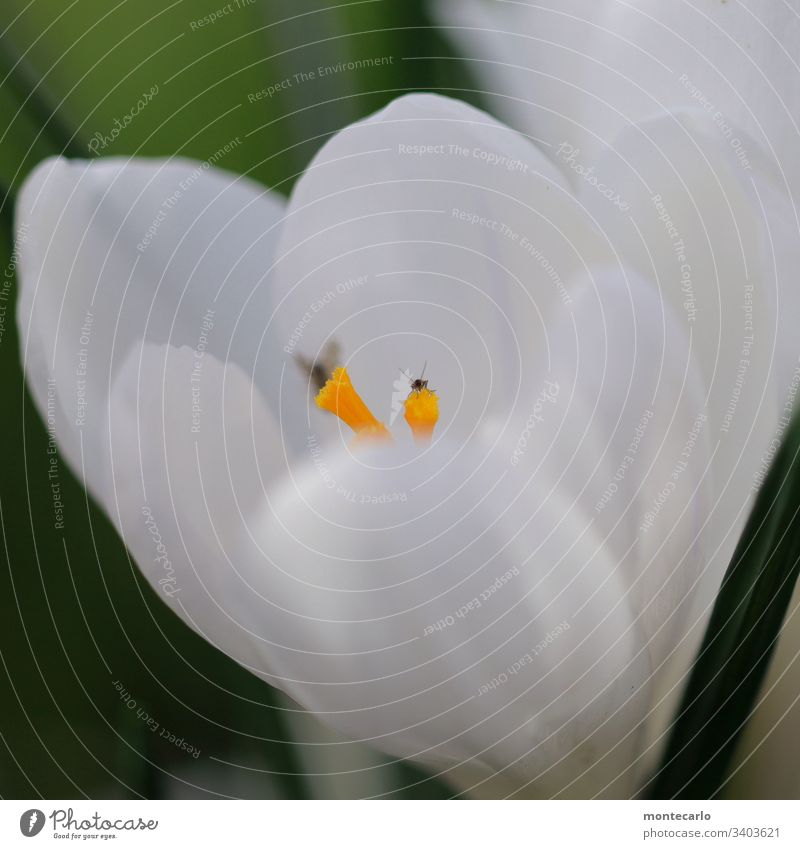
(29,90)
(741,636)
(7,203)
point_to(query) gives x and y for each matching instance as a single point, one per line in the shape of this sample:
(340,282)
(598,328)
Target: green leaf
(741,636)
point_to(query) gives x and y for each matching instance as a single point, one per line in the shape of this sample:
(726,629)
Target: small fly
(418,384)
(319,370)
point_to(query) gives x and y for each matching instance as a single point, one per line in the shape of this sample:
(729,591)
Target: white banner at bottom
(387,824)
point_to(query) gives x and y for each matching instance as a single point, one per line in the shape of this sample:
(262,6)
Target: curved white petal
(721,242)
(566,70)
(115,251)
(722,238)
(630,405)
(190,449)
(414,613)
(626,440)
(430,232)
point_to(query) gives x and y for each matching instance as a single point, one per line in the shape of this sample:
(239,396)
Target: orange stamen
(422,413)
(339,397)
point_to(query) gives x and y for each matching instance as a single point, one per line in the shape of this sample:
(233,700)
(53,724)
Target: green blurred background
(75,615)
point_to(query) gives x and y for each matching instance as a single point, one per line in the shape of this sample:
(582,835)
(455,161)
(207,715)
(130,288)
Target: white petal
(721,243)
(191,447)
(420,616)
(629,399)
(430,232)
(722,239)
(626,440)
(566,70)
(115,251)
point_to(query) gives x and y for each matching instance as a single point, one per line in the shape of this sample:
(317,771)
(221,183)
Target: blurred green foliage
(75,615)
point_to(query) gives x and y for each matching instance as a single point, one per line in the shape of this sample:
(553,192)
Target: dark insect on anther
(418,384)
(319,370)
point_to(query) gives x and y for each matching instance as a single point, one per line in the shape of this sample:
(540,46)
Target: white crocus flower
(505,603)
